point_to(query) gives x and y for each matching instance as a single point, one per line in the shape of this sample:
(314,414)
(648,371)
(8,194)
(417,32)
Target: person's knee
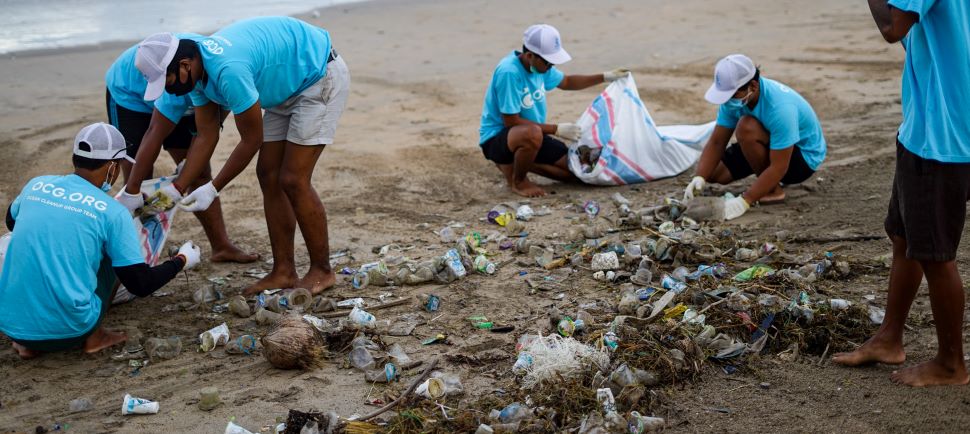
(267,175)
(749,130)
(294,184)
(527,137)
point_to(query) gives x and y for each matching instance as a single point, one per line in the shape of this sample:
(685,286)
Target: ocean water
(52,24)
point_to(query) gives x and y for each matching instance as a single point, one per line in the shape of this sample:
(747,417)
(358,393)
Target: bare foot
(24,352)
(931,373)
(527,189)
(775,196)
(102,339)
(317,280)
(233,254)
(873,351)
(272,280)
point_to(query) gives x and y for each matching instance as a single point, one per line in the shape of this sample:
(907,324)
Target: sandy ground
(406,154)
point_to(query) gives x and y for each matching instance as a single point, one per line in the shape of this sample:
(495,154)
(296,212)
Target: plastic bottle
(80,404)
(514,412)
(239,307)
(483,265)
(361,318)
(264,317)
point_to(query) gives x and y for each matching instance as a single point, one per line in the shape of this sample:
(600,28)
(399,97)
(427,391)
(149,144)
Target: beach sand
(406,153)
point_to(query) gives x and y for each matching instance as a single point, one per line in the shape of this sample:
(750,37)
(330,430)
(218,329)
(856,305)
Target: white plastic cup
(132,405)
(218,335)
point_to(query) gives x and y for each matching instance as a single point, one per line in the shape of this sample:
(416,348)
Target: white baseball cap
(544,40)
(100,141)
(152,59)
(730,74)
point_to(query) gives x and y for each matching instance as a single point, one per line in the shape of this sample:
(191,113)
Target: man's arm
(250,126)
(142,280)
(207,121)
(713,151)
(769,179)
(580,82)
(893,23)
(513,120)
(151,144)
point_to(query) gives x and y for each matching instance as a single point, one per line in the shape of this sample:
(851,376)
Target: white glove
(130,201)
(616,74)
(200,199)
(191,253)
(696,186)
(570,132)
(735,207)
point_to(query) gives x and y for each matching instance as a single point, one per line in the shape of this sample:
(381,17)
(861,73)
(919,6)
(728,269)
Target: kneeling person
(513,132)
(69,240)
(779,137)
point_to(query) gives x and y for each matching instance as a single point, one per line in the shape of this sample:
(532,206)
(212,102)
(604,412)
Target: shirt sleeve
(507,93)
(238,87)
(172,106)
(198,98)
(122,245)
(783,127)
(15,207)
(552,78)
(920,7)
(727,117)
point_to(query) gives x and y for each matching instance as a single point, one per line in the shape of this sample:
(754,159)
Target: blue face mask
(106,186)
(738,103)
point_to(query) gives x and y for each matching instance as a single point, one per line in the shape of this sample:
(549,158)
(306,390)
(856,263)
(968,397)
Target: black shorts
(798,169)
(928,206)
(133,126)
(497,150)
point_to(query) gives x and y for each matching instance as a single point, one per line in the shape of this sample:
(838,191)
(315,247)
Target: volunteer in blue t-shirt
(928,207)
(289,69)
(514,134)
(779,137)
(148,126)
(69,240)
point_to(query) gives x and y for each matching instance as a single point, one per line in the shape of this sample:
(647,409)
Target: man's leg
(280,221)
(223,250)
(946,300)
(108,285)
(886,346)
(524,141)
(558,171)
(754,140)
(295,177)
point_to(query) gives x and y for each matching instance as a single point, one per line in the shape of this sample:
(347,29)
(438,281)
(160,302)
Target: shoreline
(122,44)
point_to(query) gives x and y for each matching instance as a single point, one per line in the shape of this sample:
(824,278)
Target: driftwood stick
(344,312)
(407,393)
(836,239)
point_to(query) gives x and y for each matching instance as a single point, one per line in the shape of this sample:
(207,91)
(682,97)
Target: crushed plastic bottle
(514,412)
(361,359)
(80,404)
(362,318)
(483,265)
(163,348)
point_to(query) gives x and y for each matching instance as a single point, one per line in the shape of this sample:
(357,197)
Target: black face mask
(180,88)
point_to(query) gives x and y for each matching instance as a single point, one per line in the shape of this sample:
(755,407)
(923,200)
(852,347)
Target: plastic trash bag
(152,232)
(622,145)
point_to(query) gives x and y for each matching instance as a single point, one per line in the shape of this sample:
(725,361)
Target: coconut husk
(293,344)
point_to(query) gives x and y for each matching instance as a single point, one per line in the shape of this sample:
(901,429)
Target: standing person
(931,186)
(167,122)
(69,240)
(779,137)
(513,132)
(288,68)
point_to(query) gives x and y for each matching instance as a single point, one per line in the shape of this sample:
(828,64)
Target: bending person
(69,241)
(289,69)
(167,122)
(779,137)
(514,134)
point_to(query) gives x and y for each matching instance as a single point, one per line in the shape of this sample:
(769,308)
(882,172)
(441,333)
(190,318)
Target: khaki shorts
(310,118)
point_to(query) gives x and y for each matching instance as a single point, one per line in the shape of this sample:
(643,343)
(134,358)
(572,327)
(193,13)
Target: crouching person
(69,242)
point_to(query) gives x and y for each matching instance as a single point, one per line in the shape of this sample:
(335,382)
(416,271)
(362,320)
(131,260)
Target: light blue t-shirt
(936,80)
(127,86)
(788,118)
(64,228)
(268,59)
(515,90)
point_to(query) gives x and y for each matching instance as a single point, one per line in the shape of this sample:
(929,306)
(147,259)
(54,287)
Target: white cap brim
(155,88)
(558,58)
(718,96)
